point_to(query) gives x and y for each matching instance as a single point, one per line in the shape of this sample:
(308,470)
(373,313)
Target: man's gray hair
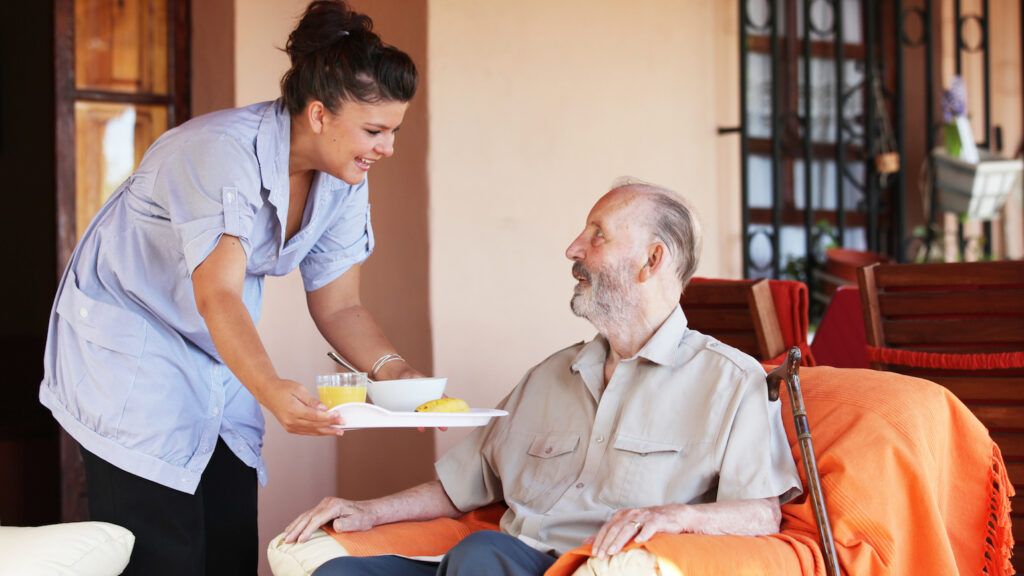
(673,221)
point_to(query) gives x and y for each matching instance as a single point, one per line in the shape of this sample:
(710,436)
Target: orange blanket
(912,481)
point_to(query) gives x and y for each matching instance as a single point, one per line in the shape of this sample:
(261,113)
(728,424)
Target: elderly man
(650,427)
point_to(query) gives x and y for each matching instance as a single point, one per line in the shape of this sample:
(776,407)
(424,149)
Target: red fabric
(840,338)
(791,302)
(943,361)
(791,305)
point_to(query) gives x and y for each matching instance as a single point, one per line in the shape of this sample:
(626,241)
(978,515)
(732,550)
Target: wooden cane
(788,372)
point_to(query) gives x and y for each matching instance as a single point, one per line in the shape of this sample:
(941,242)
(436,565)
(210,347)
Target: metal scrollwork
(819,30)
(752,235)
(764,27)
(961,38)
(922,18)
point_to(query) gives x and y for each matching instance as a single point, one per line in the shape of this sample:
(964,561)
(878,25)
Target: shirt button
(600,439)
(83,312)
(548,451)
(216,410)
(229,197)
(580,485)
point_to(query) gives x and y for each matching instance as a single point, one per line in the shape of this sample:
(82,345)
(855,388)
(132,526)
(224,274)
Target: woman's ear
(655,261)
(315,112)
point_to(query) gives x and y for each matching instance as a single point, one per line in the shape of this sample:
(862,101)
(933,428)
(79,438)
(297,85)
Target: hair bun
(337,56)
(324,23)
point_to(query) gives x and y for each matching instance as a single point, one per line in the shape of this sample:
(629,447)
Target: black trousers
(212,532)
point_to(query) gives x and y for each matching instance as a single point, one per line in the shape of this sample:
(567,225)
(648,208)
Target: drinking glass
(341,388)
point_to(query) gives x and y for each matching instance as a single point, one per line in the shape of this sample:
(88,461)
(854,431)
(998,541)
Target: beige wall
(368,463)
(301,469)
(395,280)
(535,108)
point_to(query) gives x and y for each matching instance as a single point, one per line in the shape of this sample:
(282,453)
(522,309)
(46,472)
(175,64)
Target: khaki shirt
(687,420)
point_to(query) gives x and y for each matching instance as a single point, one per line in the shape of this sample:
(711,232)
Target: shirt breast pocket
(548,469)
(641,471)
(100,348)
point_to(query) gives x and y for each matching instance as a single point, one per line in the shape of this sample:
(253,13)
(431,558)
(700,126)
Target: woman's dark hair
(336,56)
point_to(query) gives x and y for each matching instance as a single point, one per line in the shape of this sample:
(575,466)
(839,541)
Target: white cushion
(632,562)
(302,559)
(79,549)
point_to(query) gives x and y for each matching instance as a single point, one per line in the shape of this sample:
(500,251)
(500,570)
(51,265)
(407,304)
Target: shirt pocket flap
(102,324)
(643,446)
(550,446)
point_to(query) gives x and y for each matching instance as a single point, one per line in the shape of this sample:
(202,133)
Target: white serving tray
(361,415)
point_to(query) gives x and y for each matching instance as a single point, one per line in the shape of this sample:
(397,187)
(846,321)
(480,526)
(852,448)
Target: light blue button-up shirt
(131,371)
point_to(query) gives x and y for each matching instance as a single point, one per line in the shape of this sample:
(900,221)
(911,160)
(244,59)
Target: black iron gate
(823,120)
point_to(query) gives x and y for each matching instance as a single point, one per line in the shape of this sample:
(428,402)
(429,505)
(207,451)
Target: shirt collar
(273,141)
(661,348)
(593,352)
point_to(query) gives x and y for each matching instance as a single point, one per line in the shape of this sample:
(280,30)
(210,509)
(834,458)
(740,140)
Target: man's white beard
(612,299)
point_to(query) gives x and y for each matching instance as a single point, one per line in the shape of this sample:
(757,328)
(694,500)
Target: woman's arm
(218,283)
(350,328)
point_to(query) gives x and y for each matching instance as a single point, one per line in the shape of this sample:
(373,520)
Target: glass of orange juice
(341,388)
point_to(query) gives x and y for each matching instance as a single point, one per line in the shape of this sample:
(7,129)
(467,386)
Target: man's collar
(593,352)
(272,148)
(660,348)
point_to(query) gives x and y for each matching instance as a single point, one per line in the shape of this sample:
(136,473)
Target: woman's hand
(298,411)
(347,516)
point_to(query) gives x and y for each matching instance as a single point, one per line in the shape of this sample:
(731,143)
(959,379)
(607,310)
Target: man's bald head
(669,218)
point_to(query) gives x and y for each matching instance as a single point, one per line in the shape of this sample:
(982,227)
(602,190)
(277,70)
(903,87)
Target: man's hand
(641,523)
(298,411)
(347,516)
(740,517)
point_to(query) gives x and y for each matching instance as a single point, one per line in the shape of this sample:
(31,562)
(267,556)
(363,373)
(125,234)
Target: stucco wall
(535,108)
(368,463)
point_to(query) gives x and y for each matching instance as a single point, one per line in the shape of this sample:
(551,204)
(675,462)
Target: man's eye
(373,132)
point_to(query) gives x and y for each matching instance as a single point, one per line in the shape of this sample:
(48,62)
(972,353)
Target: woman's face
(357,136)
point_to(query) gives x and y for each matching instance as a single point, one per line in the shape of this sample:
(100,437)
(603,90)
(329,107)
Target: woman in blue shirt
(153,362)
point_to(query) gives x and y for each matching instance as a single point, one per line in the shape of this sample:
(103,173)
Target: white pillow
(632,562)
(302,559)
(78,548)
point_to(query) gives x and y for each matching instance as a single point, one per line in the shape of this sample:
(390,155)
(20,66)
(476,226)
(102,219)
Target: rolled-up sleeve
(212,187)
(758,462)
(347,241)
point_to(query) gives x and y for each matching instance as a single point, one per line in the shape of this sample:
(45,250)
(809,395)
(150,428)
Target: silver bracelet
(382,361)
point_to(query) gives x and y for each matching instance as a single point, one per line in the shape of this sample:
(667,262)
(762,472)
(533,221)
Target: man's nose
(575,250)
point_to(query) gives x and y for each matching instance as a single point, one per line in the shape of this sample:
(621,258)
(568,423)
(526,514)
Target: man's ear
(655,261)
(315,112)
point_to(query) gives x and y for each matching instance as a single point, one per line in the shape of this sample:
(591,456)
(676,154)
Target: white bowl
(405,395)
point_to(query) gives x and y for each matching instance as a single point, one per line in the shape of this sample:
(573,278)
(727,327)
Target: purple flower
(954,100)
